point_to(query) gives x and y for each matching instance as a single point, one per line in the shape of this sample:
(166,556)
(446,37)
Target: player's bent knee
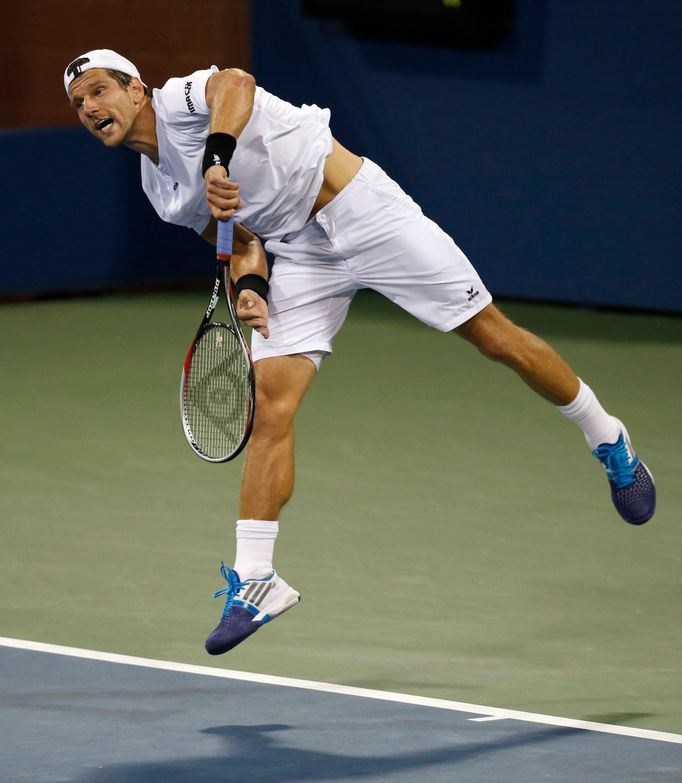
(274,417)
(495,336)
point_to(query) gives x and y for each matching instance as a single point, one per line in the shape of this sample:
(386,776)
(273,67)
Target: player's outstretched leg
(632,487)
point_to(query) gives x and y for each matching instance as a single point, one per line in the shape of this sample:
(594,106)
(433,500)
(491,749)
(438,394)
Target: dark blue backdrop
(554,161)
(75,218)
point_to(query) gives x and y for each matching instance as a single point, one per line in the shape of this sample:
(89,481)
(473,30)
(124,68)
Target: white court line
(489,713)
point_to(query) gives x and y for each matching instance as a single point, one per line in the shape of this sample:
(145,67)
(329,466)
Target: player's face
(107,109)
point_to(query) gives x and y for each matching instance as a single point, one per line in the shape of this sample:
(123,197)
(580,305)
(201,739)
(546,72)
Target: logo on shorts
(472,294)
(188,100)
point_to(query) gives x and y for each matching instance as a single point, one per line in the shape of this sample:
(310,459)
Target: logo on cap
(74,69)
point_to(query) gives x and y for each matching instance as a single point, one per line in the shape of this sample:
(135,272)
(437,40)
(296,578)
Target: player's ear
(136,90)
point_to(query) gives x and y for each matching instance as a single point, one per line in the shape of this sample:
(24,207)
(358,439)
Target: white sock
(597,425)
(255,547)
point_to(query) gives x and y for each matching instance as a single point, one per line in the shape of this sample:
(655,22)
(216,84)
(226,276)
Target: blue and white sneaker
(632,486)
(248,606)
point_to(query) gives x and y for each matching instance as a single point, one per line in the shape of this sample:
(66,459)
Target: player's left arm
(249,273)
(229,96)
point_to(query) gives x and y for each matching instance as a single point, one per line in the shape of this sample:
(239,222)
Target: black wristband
(254,283)
(219,150)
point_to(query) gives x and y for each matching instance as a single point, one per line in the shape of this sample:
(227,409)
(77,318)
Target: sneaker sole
(647,517)
(643,520)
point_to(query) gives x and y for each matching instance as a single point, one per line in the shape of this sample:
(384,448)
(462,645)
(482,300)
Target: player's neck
(142,134)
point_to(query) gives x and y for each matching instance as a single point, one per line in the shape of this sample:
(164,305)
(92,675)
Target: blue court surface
(86,717)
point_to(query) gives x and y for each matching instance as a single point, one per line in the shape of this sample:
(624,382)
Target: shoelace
(614,457)
(233,586)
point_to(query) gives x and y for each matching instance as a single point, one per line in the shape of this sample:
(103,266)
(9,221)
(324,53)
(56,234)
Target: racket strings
(217,392)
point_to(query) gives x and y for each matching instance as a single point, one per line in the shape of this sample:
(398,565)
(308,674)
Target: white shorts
(372,235)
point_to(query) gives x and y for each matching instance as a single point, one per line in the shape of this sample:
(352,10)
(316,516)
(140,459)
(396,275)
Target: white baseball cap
(98,58)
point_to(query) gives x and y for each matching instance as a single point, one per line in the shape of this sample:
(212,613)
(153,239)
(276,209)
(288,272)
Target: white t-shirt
(278,161)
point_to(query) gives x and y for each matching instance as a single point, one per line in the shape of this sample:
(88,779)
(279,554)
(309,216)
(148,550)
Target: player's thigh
(421,269)
(488,325)
(310,292)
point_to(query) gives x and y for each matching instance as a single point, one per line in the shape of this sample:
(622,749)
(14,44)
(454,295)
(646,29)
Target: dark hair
(124,80)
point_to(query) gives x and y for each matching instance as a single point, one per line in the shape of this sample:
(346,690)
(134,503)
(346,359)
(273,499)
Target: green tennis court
(450,533)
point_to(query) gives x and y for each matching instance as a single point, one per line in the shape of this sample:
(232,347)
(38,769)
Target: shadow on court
(66,718)
(619,718)
(259,754)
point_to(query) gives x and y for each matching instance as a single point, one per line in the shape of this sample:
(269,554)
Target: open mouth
(102,124)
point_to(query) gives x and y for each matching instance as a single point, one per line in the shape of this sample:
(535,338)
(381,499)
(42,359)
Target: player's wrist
(221,171)
(218,151)
(252,282)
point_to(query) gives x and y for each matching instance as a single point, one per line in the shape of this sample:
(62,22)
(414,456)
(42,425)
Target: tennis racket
(218,389)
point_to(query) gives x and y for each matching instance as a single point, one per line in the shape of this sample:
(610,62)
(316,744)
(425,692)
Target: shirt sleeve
(184,98)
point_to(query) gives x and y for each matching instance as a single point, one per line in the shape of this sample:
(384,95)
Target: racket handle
(224,243)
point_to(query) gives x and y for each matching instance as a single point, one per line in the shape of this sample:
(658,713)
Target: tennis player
(214,145)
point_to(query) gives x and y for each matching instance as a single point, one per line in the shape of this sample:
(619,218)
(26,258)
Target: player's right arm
(229,96)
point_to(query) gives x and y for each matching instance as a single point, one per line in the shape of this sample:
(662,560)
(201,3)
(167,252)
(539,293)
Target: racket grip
(224,243)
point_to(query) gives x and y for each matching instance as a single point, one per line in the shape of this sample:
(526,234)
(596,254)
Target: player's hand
(222,194)
(253,311)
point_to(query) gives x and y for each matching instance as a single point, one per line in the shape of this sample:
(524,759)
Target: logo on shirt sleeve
(190,105)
